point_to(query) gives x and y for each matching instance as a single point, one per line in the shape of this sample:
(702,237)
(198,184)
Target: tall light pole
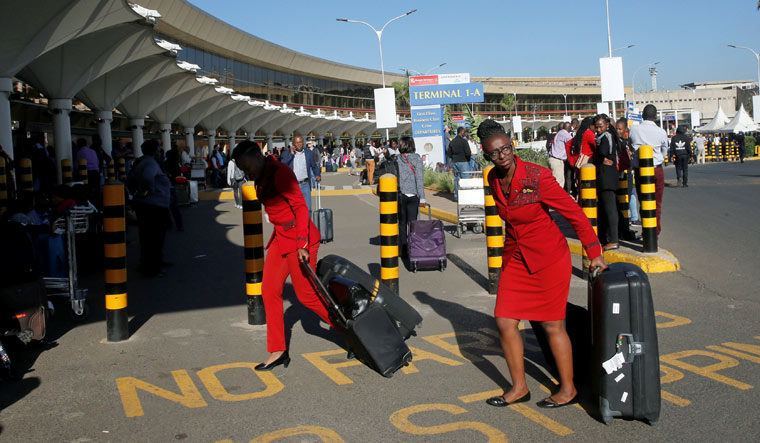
(379,41)
(757,56)
(426,72)
(633,80)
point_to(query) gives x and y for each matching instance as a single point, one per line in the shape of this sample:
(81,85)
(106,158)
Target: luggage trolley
(77,221)
(471,210)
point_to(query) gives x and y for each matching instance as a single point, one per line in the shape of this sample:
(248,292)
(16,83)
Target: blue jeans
(459,168)
(633,205)
(306,191)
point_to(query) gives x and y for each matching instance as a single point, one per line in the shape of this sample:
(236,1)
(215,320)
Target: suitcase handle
(430,211)
(324,294)
(634,348)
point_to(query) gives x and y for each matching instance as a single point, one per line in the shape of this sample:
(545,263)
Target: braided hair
(489,128)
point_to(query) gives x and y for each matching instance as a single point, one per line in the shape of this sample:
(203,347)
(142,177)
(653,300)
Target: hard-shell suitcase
(406,317)
(427,244)
(578,326)
(323,218)
(371,335)
(625,366)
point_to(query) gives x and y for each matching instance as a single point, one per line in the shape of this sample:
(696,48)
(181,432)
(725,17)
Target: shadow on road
(480,279)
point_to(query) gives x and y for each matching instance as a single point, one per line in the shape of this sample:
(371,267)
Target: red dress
(536,267)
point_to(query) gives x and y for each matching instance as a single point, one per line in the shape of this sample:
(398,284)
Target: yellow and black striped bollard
(111,172)
(115,251)
(25,179)
(3,187)
(588,203)
(494,235)
(66,172)
(388,193)
(734,152)
(82,171)
(624,210)
(122,170)
(253,242)
(647,198)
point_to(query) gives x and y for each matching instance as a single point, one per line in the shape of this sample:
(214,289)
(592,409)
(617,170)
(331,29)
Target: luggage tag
(614,364)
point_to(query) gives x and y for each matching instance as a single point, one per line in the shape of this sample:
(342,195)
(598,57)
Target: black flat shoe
(549,403)
(499,401)
(284,360)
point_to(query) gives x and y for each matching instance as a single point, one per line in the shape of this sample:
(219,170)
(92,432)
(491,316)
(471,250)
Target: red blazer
(529,226)
(588,146)
(279,193)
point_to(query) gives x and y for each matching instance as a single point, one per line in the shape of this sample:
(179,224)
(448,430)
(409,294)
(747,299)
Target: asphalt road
(185,373)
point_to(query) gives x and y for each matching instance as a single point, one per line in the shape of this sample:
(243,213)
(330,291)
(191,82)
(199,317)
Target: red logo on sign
(423,80)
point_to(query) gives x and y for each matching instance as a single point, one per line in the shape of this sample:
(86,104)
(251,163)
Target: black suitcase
(578,326)
(407,318)
(625,366)
(372,335)
(323,218)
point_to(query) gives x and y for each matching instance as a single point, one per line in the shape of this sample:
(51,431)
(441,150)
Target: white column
(137,125)
(251,135)
(190,141)
(166,136)
(269,143)
(61,108)
(6,130)
(211,140)
(353,141)
(104,129)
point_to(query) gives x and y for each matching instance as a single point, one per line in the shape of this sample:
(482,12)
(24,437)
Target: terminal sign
(427,121)
(446,94)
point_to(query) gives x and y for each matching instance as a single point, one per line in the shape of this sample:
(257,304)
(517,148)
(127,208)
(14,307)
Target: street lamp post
(379,41)
(426,72)
(633,80)
(757,56)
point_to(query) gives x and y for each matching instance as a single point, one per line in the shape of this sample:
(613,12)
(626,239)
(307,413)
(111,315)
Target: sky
(510,38)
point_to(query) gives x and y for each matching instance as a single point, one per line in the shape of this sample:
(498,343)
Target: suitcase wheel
(442,266)
(607,420)
(414,266)
(478,229)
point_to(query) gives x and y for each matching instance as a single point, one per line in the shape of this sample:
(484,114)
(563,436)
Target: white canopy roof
(718,121)
(741,122)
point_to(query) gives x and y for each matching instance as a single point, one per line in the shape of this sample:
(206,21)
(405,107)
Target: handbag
(582,160)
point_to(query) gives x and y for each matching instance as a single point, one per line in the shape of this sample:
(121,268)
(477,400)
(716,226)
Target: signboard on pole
(756,108)
(427,121)
(694,119)
(446,94)
(603,108)
(611,72)
(517,126)
(439,79)
(385,108)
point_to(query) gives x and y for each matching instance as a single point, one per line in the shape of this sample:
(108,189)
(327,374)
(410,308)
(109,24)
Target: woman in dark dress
(605,160)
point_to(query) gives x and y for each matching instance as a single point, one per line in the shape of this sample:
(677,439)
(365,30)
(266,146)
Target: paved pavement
(185,373)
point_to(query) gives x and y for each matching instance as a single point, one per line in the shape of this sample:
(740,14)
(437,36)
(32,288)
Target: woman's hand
(597,263)
(303,255)
(607,162)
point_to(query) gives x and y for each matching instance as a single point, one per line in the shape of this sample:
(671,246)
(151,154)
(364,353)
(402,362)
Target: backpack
(238,173)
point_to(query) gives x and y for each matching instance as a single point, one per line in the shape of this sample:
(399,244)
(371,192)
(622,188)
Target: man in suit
(304,166)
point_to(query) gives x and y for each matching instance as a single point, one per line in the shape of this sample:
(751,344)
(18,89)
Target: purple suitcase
(427,244)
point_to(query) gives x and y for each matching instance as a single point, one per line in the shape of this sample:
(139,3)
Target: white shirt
(299,166)
(699,143)
(186,158)
(647,133)
(716,140)
(474,150)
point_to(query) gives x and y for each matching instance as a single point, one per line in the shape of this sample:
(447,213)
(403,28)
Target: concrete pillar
(353,141)
(61,108)
(6,130)
(104,129)
(269,143)
(166,136)
(251,135)
(137,125)
(211,140)
(190,141)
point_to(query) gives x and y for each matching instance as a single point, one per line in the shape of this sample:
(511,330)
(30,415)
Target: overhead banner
(611,73)
(446,94)
(427,121)
(439,79)
(385,107)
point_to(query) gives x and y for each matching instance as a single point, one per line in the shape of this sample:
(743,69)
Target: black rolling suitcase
(323,218)
(370,334)
(625,366)
(407,318)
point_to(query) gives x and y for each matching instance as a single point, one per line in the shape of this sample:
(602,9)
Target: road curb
(651,263)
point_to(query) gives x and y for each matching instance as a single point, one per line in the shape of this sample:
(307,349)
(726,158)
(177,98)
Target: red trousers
(276,271)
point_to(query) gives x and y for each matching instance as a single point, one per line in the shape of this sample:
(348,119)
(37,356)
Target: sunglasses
(497,153)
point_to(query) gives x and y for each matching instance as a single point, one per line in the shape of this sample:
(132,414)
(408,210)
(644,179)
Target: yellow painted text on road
(218,392)
(669,375)
(327,435)
(400,419)
(675,320)
(710,371)
(189,395)
(420,355)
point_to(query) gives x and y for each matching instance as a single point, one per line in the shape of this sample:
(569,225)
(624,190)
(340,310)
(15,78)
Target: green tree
(402,93)
(473,121)
(508,101)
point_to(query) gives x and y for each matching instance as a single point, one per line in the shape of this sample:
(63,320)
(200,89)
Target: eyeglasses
(497,153)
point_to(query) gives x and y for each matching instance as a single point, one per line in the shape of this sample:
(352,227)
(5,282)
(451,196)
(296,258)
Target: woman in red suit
(536,266)
(583,143)
(295,239)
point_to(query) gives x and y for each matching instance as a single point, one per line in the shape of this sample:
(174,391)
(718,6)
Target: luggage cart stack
(471,210)
(77,221)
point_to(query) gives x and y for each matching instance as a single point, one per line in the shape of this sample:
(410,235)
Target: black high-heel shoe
(499,401)
(284,360)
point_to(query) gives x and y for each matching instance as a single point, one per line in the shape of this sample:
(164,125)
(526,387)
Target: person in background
(625,146)
(354,162)
(537,267)
(236,179)
(411,184)
(740,144)
(151,192)
(648,133)
(717,147)
(186,159)
(303,165)
(558,155)
(93,165)
(699,148)
(581,149)
(369,154)
(605,159)
(459,153)
(173,170)
(474,152)
(680,154)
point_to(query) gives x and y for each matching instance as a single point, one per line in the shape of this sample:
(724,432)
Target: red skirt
(540,296)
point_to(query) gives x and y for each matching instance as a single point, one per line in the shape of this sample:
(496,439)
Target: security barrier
(494,235)
(589,203)
(111,172)
(388,193)
(122,170)
(25,179)
(66,172)
(622,198)
(253,242)
(115,252)
(647,198)
(82,171)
